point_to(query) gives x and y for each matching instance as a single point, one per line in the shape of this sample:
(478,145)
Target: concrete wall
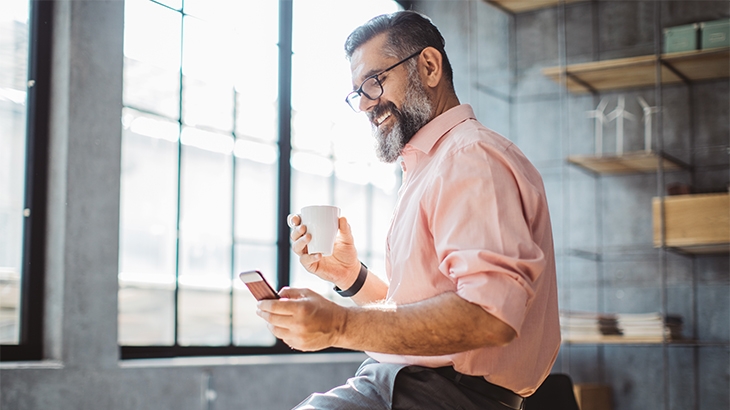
(83,370)
(609,217)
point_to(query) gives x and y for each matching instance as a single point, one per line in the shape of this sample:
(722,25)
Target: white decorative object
(600,120)
(648,111)
(619,114)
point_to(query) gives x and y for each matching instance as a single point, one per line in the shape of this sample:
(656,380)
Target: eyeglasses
(372,87)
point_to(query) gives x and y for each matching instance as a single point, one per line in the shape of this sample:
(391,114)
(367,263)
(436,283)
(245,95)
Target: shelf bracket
(581,82)
(676,72)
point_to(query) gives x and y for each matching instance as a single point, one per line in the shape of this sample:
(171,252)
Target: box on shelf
(715,34)
(681,38)
(697,223)
(592,396)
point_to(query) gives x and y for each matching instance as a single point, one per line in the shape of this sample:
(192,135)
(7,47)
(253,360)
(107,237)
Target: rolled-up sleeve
(483,239)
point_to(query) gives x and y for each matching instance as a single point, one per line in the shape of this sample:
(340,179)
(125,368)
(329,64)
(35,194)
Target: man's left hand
(303,319)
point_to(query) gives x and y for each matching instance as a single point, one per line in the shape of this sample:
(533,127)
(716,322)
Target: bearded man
(468,318)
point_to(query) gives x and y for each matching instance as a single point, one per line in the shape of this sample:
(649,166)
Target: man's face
(404,106)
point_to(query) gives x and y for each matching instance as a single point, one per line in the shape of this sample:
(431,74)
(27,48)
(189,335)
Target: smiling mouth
(378,121)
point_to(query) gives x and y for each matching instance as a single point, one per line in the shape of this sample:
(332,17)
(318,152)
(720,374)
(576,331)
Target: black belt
(482,386)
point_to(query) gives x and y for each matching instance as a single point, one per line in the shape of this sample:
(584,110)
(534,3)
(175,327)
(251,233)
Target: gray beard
(413,115)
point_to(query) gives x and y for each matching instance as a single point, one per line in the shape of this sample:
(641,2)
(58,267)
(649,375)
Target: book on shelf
(591,327)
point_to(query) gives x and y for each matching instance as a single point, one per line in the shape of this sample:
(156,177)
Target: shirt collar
(430,133)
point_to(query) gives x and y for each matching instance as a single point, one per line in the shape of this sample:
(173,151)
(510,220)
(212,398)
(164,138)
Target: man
(469,317)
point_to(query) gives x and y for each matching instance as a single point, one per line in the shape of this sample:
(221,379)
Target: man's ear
(431,66)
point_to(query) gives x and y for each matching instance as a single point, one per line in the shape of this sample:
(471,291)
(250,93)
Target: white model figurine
(648,111)
(619,114)
(600,119)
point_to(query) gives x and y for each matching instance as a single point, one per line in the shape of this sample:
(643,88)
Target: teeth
(382,118)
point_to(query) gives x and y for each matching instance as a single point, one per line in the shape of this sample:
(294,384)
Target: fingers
(345,231)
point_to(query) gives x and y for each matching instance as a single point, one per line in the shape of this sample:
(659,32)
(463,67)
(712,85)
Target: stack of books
(588,327)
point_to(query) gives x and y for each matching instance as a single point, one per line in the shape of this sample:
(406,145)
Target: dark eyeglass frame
(353,96)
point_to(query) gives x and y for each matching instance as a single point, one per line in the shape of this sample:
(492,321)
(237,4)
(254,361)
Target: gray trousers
(387,386)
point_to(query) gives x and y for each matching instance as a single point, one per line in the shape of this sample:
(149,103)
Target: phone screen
(258,286)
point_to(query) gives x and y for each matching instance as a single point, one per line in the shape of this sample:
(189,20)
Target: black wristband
(357,285)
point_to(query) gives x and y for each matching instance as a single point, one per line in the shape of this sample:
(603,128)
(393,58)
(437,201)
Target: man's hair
(407,32)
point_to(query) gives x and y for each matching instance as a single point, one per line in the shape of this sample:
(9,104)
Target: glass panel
(204,316)
(321,74)
(152,58)
(147,236)
(205,238)
(256,193)
(340,141)
(146,314)
(207,104)
(249,329)
(13,77)
(353,202)
(310,181)
(208,50)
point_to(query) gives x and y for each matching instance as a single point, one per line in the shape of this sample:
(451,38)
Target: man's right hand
(341,268)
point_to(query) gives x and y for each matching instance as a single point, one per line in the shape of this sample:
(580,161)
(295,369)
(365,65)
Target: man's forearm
(444,324)
(373,290)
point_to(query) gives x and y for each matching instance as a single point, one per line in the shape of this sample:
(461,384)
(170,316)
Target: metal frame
(30,346)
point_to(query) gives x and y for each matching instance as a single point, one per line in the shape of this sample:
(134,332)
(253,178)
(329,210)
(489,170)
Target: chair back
(555,393)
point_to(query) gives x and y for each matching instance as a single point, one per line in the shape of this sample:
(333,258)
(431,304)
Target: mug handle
(290,222)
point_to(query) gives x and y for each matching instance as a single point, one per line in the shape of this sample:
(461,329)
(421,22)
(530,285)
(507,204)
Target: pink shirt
(472,218)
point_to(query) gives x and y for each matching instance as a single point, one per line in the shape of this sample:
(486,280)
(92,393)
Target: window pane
(205,238)
(13,78)
(207,105)
(147,237)
(353,202)
(341,141)
(152,58)
(256,193)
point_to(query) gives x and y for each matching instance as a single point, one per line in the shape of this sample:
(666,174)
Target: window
(211,161)
(24,60)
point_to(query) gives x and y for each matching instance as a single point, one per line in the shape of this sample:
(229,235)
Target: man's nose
(366,104)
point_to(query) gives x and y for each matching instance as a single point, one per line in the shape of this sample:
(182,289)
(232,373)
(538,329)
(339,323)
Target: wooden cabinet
(693,223)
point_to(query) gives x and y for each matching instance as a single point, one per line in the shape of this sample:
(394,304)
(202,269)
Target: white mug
(322,222)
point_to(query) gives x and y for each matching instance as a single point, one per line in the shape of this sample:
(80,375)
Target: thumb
(345,231)
(293,293)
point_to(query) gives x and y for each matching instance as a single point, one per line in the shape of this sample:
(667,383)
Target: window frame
(32,294)
(128,352)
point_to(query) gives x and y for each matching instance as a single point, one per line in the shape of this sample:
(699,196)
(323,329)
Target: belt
(482,386)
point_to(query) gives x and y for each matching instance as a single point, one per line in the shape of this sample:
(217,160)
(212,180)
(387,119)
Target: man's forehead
(368,59)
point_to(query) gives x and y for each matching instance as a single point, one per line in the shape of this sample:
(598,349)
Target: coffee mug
(322,222)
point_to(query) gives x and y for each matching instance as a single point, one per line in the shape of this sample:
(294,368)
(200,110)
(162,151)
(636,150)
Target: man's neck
(444,103)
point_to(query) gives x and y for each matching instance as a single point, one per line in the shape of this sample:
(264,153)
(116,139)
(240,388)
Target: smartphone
(258,286)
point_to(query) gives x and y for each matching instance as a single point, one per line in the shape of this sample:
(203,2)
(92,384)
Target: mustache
(381,109)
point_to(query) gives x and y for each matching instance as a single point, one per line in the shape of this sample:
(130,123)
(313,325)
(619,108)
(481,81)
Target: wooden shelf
(697,224)
(630,162)
(621,340)
(641,71)
(617,339)
(520,6)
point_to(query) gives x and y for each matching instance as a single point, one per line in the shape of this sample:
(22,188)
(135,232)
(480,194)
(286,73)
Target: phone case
(258,286)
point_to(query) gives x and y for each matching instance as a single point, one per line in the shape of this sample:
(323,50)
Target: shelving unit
(665,270)
(634,72)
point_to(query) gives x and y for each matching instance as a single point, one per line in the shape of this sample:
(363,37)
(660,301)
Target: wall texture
(603,224)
